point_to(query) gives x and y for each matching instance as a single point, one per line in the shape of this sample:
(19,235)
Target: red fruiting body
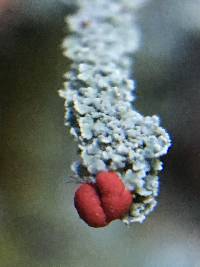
(88,205)
(100,203)
(109,183)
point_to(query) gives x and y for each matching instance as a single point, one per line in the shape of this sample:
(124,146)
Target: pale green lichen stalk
(99,95)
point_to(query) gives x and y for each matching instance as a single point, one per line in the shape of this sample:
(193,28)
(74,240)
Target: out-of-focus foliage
(39,226)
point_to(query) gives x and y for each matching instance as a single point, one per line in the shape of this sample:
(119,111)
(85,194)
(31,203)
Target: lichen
(99,102)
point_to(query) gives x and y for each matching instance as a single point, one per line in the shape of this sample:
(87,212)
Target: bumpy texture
(111,134)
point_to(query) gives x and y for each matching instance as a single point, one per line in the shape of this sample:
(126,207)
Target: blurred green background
(38,223)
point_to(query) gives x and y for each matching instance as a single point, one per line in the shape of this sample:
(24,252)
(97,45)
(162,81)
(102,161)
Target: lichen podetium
(99,99)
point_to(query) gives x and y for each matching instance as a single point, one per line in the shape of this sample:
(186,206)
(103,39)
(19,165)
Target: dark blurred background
(38,223)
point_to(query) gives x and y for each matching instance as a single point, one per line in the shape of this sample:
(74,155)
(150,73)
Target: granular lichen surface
(99,102)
